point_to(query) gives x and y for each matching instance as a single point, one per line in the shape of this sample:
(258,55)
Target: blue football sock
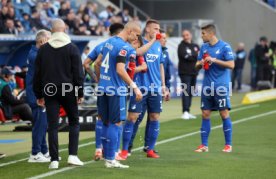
(111,141)
(103,138)
(127,133)
(205,131)
(135,129)
(98,133)
(227,129)
(147,134)
(120,131)
(153,133)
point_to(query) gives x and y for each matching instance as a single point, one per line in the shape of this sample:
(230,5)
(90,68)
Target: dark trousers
(253,77)
(23,110)
(69,103)
(237,75)
(189,81)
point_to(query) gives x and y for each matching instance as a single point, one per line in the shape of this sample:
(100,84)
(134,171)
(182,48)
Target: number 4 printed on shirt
(105,63)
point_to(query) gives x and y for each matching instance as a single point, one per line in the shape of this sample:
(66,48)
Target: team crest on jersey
(195,49)
(123,53)
(151,57)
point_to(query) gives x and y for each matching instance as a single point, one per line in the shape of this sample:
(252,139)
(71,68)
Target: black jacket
(187,55)
(8,100)
(57,66)
(260,52)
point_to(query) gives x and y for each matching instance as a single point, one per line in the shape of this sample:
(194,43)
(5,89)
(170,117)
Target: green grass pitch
(253,155)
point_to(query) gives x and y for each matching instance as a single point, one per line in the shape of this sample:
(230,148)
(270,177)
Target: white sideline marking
(61,150)
(86,144)
(90,143)
(158,143)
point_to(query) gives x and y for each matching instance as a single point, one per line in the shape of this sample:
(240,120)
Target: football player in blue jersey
(112,88)
(167,64)
(216,57)
(114,29)
(152,85)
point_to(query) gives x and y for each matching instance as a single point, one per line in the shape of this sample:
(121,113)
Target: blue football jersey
(153,57)
(114,48)
(96,51)
(220,76)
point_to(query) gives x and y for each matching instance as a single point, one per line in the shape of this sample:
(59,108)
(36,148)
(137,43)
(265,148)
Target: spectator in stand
(26,23)
(10,27)
(4,13)
(36,23)
(11,13)
(64,10)
(86,20)
(19,27)
(91,10)
(125,15)
(262,57)
(82,30)
(70,22)
(50,12)
(107,13)
(239,64)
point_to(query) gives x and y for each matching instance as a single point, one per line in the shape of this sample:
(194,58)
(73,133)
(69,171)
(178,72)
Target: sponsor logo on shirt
(151,57)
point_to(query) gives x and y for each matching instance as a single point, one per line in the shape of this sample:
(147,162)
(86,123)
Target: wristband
(133,85)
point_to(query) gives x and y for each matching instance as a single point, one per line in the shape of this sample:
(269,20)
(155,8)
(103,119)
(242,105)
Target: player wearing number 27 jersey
(217,58)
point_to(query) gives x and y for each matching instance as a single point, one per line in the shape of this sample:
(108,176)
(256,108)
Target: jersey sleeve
(122,54)
(228,54)
(162,60)
(96,51)
(200,54)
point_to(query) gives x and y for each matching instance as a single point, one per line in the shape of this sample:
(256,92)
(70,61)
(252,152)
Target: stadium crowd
(27,17)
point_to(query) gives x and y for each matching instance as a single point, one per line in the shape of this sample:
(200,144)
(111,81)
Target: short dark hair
(152,21)
(209,27)
(263,38)
(115,28)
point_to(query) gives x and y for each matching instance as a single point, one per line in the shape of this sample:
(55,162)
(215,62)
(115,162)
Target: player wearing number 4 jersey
(216,57)
(112,88)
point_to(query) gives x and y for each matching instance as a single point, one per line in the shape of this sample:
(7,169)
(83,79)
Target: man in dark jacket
(187,55)
(239,63)
(39,146)
(9,103)
(58,80)
(262,58)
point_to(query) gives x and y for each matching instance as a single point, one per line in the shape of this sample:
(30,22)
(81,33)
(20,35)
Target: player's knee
(224,114)
(206,114)
(154,116)
(132,116)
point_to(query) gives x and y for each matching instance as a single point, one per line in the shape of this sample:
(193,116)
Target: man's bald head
(132,29)
(58,25)
(132,25)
